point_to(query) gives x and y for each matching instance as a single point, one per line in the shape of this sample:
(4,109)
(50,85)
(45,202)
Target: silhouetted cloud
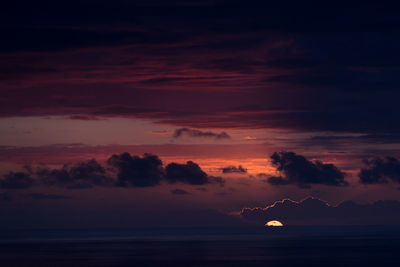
(137,171)
(189,173)
(179,192)
(126,171)
(80,175)
(234,169)
(296,169)
(313,211)
(380,171)
(40,196)
(197,133)
(16,180)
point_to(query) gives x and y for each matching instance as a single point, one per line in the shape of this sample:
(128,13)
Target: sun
(274,223)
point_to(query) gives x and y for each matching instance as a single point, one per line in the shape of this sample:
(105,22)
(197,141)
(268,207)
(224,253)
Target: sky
(198,113)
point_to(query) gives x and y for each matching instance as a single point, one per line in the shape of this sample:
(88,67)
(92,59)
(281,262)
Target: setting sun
(274,223)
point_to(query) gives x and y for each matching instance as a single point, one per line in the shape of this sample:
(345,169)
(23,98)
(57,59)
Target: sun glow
(274,223)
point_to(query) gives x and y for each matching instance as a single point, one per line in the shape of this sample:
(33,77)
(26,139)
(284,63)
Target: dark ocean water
(288,246)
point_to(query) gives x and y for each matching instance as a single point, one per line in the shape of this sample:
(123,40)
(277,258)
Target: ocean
(284,246)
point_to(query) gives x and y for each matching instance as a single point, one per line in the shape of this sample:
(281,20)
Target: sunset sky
(125,113)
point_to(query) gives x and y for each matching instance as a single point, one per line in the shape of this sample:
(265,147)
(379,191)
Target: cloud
(189,173)
(137,171)
(314,211)
(234,169)
(16,180)
(77,176)
(40,196)
(298,170)
(380,171)
(228,65)
(197,133)
(84,117)
(126,171)
(179,192)
(148,171)
(335,142)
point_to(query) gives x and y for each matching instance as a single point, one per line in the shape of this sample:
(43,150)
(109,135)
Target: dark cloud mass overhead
(161,61)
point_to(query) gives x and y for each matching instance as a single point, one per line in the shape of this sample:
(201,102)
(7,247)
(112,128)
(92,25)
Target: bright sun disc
(274,223)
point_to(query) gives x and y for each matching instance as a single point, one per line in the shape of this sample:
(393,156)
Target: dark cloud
(380,171)
(51,39)
(189,173)
(234,169)
(197,133)
(313,211)
(333,142)
(126,171)
(235,15)
(90,171)
(79,175)
(137,171)
(54,177)
(296,169)
(16,180)
(252,55)
(179,192)
(76,176)
(40,196)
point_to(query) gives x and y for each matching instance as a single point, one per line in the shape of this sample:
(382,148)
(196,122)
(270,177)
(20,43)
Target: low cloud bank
(126,170)
(123,170)
(314,211)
